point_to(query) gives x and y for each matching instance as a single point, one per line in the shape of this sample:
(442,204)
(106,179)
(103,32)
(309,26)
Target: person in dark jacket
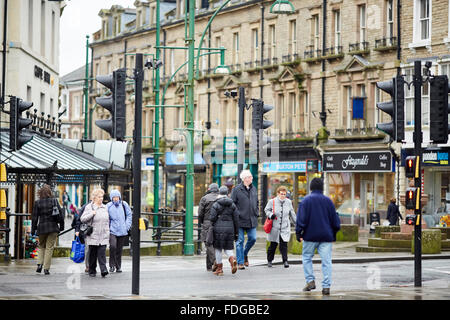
(76,223)
(224,218)
(393,213)
(46,226)
(204,209)
(317,225)
(245,198)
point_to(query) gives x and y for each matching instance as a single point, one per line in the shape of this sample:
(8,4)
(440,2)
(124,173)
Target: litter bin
(374,220)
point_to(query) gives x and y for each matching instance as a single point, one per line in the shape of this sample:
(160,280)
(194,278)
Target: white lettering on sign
(355,162)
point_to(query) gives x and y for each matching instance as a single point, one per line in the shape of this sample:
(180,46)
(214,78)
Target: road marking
(440,271)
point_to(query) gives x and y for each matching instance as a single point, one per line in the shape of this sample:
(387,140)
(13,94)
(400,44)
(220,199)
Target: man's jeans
(251,239)
(324,249)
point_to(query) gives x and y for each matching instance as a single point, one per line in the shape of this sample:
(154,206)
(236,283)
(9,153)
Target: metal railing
(386,42)
(169,221)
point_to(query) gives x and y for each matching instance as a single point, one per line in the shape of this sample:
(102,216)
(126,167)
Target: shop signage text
(299,166)
(358,161)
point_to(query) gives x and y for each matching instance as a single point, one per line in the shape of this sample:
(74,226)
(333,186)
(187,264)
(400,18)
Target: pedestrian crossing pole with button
(417,138)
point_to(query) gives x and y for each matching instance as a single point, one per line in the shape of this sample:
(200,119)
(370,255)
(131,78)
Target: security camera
(152,64)
(231,94)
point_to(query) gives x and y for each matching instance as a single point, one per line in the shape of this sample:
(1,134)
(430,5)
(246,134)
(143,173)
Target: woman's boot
(233,264)
(219,270)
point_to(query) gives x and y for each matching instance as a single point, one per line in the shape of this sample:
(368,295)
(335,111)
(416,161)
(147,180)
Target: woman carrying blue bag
(77,252)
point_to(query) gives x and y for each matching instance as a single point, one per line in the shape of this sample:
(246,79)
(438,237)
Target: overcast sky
(80,18)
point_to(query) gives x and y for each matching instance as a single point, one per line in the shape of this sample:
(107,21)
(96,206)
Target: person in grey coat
(279,209)
(245,197)
(96,214)
(204,209)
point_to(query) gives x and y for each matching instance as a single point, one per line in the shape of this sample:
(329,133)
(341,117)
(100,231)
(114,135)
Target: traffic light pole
(137,145)
(417,137)
(241,142)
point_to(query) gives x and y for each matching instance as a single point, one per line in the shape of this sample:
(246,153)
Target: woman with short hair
(96,215)
(46,226)
(279,209)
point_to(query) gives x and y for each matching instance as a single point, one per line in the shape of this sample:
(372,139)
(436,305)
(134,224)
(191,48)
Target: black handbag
(210,236)
(86,229)
(55,209)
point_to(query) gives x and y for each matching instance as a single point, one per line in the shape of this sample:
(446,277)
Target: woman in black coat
(47,226)
(225,221)
(393,213)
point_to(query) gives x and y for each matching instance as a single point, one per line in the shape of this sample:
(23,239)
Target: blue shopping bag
(77,252)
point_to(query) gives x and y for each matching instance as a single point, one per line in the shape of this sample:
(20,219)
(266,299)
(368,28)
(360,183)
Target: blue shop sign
(299,166)
(438,158)
(179,158)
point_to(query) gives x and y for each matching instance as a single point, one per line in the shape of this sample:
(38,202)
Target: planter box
(380,229)
(431,241)
(348,232)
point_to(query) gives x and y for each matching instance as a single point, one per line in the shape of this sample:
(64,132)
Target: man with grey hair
(245,197)
(204,209)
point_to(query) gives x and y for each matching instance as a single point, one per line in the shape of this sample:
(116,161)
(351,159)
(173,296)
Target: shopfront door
(367,200)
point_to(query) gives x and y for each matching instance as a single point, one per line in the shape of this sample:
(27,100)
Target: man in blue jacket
(317,224)
(120,217)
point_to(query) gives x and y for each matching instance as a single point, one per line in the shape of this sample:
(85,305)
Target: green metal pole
(189,223)
(156,132)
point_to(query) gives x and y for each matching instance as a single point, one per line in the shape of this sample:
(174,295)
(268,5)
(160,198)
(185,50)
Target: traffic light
(439,109)
(3,198)
(259,124)
(412,198)
(410,219)
(114,103)
(395,108)
(411,171)
(17,124)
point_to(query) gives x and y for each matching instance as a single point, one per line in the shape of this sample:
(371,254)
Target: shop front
(175,171)
(359,183)
(294,175)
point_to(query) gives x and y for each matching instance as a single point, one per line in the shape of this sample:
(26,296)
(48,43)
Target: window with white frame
(292,122)
(389,20)
(76,107)
(362,23)
(409,100)
(422,23)
(347,119)
(172,61)
(218,43)
(255,46)
(315,32)
(424,19)
(292,37)
(337,30)
(236,48)
(272,42)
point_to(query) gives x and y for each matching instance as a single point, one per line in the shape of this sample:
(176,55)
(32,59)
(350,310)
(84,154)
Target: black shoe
(39,268)
(104,274)
(118,270)
(92,275)
(112,269)
(269,264)
(326,291)
(286,264)
(241,267)
(310,286)
(46,272)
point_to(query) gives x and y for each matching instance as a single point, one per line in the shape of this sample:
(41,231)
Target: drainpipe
(323,114)
(399,6)
(5,16)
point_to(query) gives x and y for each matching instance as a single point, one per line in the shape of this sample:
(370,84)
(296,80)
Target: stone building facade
(315,70)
